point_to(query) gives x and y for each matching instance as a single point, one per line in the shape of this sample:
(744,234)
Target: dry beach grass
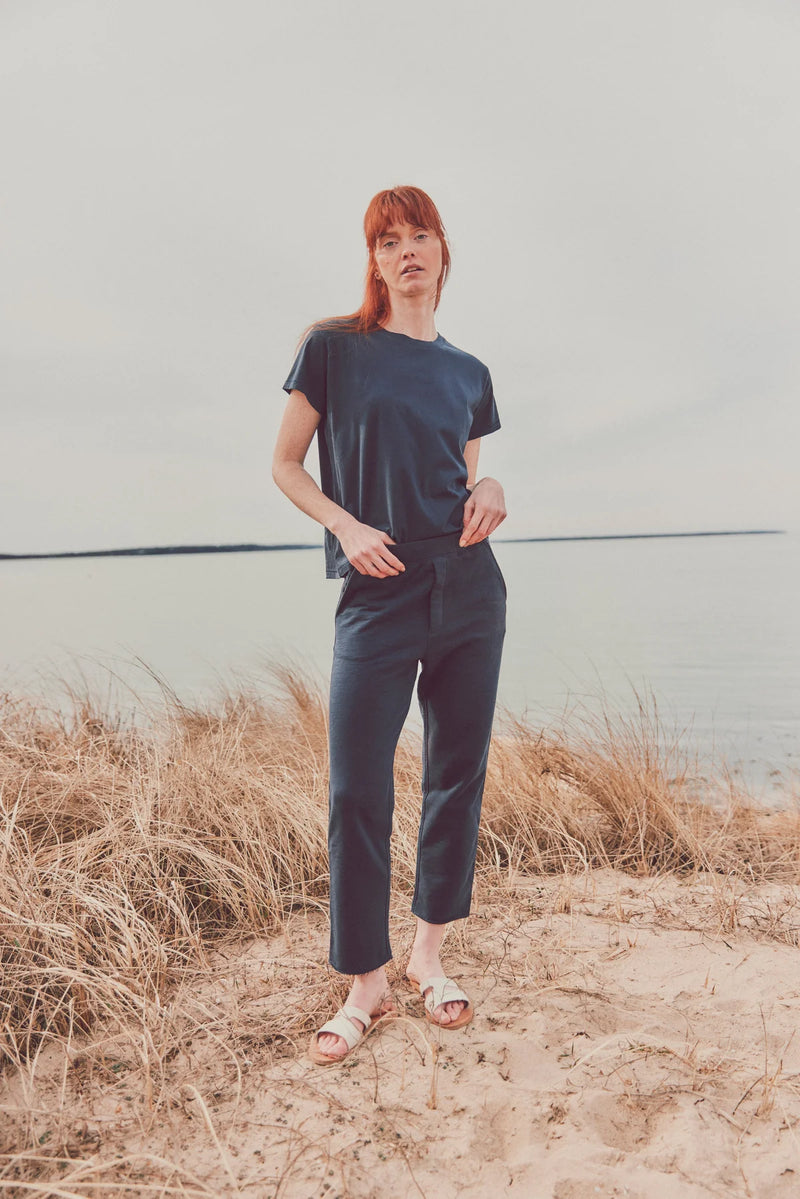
(632,955)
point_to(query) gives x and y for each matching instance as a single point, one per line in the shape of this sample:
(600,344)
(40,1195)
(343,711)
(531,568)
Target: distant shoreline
(248,548)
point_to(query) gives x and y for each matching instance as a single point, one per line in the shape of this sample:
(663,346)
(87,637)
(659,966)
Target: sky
(184,186)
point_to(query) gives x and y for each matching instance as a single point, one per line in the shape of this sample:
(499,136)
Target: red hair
(396,205)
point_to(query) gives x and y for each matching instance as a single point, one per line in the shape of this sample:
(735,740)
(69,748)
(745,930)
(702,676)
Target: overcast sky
(183,188)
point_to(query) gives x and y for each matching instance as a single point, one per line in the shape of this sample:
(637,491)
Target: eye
(387,245)
(422,235)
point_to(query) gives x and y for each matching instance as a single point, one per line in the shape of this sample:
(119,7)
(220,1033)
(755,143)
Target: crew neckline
(421,341)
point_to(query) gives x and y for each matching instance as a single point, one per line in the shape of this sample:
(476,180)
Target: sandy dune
(632,1037)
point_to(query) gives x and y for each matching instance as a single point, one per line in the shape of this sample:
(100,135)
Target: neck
(413,319)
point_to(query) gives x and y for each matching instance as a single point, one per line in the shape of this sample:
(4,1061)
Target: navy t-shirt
(396,413)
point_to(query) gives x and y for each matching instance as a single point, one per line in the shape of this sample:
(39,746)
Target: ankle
(428,937)
(422,952)
(375,980)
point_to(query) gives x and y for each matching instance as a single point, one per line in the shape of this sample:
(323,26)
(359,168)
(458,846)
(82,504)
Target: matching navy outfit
(397,413)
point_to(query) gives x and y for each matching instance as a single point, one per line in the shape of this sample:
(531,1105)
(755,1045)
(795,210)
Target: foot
(370,992)
(424,964)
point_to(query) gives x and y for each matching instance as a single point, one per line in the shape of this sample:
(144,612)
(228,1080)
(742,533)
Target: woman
(399,413)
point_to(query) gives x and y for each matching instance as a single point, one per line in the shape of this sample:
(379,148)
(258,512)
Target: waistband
(431,547)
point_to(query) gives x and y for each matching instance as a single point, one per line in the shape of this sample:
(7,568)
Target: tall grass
(126,854)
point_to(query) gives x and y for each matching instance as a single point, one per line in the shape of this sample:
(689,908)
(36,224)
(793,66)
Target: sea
(701,630)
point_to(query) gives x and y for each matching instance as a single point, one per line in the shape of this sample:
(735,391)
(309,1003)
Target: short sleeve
(486,418)
(309,372)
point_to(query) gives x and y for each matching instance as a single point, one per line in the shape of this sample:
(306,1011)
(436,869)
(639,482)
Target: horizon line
(253,547)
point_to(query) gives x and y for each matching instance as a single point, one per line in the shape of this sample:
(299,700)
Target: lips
(409,269)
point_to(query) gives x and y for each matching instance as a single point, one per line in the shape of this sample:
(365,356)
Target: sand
(632,1037)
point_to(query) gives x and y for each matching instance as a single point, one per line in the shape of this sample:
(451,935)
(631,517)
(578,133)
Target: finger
(385,559)
(469,529)
(367,563)
(389,557)
(471,515)
(380,568)
(486,527)
(479,532)
(384,569)
(394,562)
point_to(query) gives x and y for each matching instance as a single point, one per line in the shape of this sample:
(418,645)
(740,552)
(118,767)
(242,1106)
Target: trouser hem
(359,967)
(435,918)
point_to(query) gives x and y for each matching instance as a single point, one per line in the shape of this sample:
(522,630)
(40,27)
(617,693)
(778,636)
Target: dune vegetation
(132,856)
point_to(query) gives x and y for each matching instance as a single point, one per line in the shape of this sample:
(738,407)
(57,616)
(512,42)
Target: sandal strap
(342,1026)
(444,990)
(350,1009)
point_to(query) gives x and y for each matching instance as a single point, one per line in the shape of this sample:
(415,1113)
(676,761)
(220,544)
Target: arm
(364,546)
(484,510)
(471,451)
(295,435)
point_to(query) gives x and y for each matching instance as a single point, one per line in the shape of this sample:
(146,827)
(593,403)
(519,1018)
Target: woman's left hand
(483,511)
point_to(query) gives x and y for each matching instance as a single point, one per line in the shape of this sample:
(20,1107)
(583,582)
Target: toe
(446,1013)
(449,1012)
(332,1045)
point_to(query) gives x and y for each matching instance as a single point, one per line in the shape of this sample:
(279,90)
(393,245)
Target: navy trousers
(447,610)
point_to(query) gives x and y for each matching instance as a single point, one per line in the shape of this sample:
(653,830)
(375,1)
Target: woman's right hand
(367,549)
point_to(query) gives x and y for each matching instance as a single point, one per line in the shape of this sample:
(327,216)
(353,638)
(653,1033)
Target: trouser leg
(457,691)
(369,701)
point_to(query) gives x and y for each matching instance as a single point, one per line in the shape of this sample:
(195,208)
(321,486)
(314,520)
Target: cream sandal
(342,1026)
(444,990)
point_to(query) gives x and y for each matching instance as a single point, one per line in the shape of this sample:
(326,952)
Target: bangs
(401,206)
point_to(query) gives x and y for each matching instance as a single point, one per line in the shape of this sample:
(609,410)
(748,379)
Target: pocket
(496,566)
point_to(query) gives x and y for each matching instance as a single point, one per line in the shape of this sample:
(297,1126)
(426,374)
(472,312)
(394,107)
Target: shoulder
(329,331)
(330,340)
(460,359)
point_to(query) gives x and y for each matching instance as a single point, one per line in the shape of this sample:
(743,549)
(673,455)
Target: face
(409,260)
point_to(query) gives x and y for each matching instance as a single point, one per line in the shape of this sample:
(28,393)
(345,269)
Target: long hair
(395,205)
